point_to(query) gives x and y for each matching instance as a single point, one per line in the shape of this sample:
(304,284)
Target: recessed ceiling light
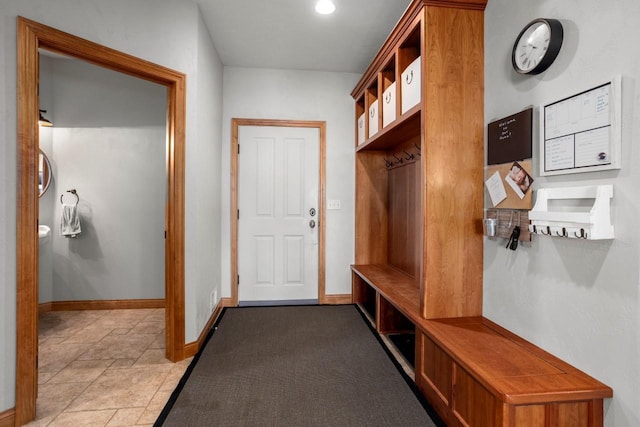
(325,7)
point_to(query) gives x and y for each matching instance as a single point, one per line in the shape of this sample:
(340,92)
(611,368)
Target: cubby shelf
(393,285)
(401,129)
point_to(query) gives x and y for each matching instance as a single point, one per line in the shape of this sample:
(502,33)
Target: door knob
(312,224)
(312,211)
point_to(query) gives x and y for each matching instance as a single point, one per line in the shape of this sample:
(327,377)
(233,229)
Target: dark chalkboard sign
(509,139)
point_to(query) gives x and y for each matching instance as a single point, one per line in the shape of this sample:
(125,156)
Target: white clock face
(532,46)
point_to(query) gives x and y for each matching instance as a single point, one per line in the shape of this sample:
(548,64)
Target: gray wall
(171,35)
(301,95)
(109,143)
(577,299)
(203,191)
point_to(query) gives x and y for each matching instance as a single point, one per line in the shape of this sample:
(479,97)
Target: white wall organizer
(554,219)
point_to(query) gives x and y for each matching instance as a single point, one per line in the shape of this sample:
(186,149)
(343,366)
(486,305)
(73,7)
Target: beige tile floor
(103,368)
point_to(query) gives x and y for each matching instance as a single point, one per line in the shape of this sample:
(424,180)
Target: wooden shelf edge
(387,136)
(556,397)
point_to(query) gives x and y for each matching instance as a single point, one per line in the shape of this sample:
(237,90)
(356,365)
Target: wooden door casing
(31,37)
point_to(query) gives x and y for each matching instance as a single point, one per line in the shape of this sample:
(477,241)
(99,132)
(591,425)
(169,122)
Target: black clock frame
(555,43)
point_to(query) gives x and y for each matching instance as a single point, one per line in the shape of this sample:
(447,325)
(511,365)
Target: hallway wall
(300,95)
(577,299)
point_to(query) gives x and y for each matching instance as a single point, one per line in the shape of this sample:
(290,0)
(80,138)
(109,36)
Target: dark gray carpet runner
(294,366)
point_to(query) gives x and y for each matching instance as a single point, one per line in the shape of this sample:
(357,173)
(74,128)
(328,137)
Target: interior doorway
(319,215)
(31,37)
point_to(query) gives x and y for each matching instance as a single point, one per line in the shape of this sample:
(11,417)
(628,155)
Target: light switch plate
(333,204)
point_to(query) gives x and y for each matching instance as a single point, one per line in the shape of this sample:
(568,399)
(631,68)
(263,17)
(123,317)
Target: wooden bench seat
(477,373)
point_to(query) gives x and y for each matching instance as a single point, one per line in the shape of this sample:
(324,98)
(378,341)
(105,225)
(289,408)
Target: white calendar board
(582,133)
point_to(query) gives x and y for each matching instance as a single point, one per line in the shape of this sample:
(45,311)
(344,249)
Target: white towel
(70,221)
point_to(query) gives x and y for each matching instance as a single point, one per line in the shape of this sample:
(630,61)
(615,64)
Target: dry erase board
(582,133)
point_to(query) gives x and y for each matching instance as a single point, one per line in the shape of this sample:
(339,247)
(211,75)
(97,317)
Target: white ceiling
(289,34)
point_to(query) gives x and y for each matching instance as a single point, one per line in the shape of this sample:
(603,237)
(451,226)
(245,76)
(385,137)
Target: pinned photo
(519,179)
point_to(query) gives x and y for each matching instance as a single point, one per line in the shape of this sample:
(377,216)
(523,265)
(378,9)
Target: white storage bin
(361,134)
(411,85)
(389,105)
(373,118)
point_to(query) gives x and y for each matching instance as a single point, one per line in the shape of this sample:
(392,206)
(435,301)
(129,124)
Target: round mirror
(44,173)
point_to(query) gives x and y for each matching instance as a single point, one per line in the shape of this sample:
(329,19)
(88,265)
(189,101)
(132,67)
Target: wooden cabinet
(419,179)
(476,373)
(419,244)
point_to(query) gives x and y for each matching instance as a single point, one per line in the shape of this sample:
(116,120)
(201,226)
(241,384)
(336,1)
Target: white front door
(278,184)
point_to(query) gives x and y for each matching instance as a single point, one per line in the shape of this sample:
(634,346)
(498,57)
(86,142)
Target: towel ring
(72,191)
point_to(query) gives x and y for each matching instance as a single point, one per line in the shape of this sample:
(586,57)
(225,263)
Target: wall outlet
(333,204)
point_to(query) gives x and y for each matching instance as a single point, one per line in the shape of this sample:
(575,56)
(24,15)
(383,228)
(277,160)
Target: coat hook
(564,233)
(582,235)
(387,163)
(418,147)
(399,160)
(409,156)
(548,231)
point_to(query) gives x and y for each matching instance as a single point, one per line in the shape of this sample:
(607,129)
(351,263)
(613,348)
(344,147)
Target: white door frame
(321,126)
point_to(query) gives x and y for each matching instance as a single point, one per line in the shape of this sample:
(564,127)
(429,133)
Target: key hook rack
(505,221)
(570,222)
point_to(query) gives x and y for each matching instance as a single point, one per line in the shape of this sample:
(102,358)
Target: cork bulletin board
(509,173)
(517,191)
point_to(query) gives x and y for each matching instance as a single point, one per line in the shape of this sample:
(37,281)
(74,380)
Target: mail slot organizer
(561,212)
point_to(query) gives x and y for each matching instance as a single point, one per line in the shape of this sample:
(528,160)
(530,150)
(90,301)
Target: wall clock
(537,46)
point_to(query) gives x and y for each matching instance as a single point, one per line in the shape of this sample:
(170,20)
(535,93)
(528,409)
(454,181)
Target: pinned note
(496,189)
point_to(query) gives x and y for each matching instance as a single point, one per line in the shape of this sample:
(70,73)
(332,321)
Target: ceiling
(289,34)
